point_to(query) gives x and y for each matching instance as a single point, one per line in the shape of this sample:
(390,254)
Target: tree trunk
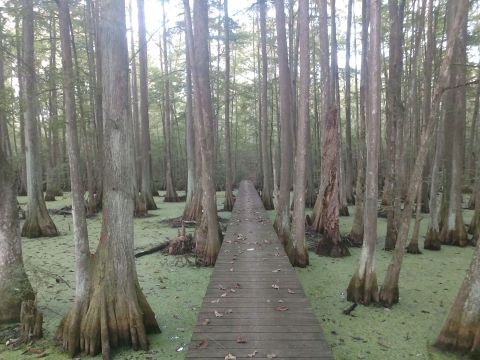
(356,233)
(394,121)
(229,200)
(190,129)
(115,311)
(363,285)
(348,111)
(53,187)
(295,247)
(282,216)
(473,145)
(460,332)
(267,191)
(207,233)
(38,222)
(14,284)
(452,230)
(147,184)
(71,329)
(327,207)
(171,194)
(193,211)
(432,239)
(389,293)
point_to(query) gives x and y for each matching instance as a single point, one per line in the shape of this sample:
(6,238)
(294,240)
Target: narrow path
(255,306)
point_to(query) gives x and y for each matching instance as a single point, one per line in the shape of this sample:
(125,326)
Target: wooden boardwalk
(255,306)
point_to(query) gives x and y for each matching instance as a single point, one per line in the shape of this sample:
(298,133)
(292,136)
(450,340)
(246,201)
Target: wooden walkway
(255,306)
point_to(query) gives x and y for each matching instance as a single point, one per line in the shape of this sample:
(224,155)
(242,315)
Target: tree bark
(460,332)
(14,284)
(38,222)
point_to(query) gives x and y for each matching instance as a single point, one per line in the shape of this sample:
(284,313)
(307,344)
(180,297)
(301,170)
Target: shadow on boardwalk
(255,306)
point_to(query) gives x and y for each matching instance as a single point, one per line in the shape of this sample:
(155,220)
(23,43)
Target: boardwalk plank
(242,299)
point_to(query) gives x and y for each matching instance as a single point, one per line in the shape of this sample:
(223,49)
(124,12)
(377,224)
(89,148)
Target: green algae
(174,289)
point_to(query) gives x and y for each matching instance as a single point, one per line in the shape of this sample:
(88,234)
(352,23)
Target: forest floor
(175,288)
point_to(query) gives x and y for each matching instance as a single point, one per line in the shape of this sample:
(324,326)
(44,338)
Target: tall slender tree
(38,222)
(363,285)
(147,184)
(171,193)
(296,248)
(229,200)
(327,206)
(282,217)
(267,191)
(207,233)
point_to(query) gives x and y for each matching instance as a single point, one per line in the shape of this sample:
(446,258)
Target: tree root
(432,240)
(108,321)
(332,246)
(363,290)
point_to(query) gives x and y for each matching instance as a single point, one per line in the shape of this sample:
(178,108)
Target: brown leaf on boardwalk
(271,356)
(229,311)
(223,295)
(252,355)
(217,314)
(205,322)
(230,357)
(281,308)
(290,291)
(221,287)
(275,286)
(233,290)
(203,344)
(237,286)
(241,339)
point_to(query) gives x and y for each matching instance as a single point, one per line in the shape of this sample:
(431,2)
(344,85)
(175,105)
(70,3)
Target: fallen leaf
(203,344)
(276,270)
(230,357)
(221,287)
(275,286)
(250,249)
(223,295)
(233,290)
(271,356)
(252,355)
(217,314)
(237,286)
(229,311)
(290,291)
(241,339)
(205,322)
(281,308)
(216,301)
(231,269)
